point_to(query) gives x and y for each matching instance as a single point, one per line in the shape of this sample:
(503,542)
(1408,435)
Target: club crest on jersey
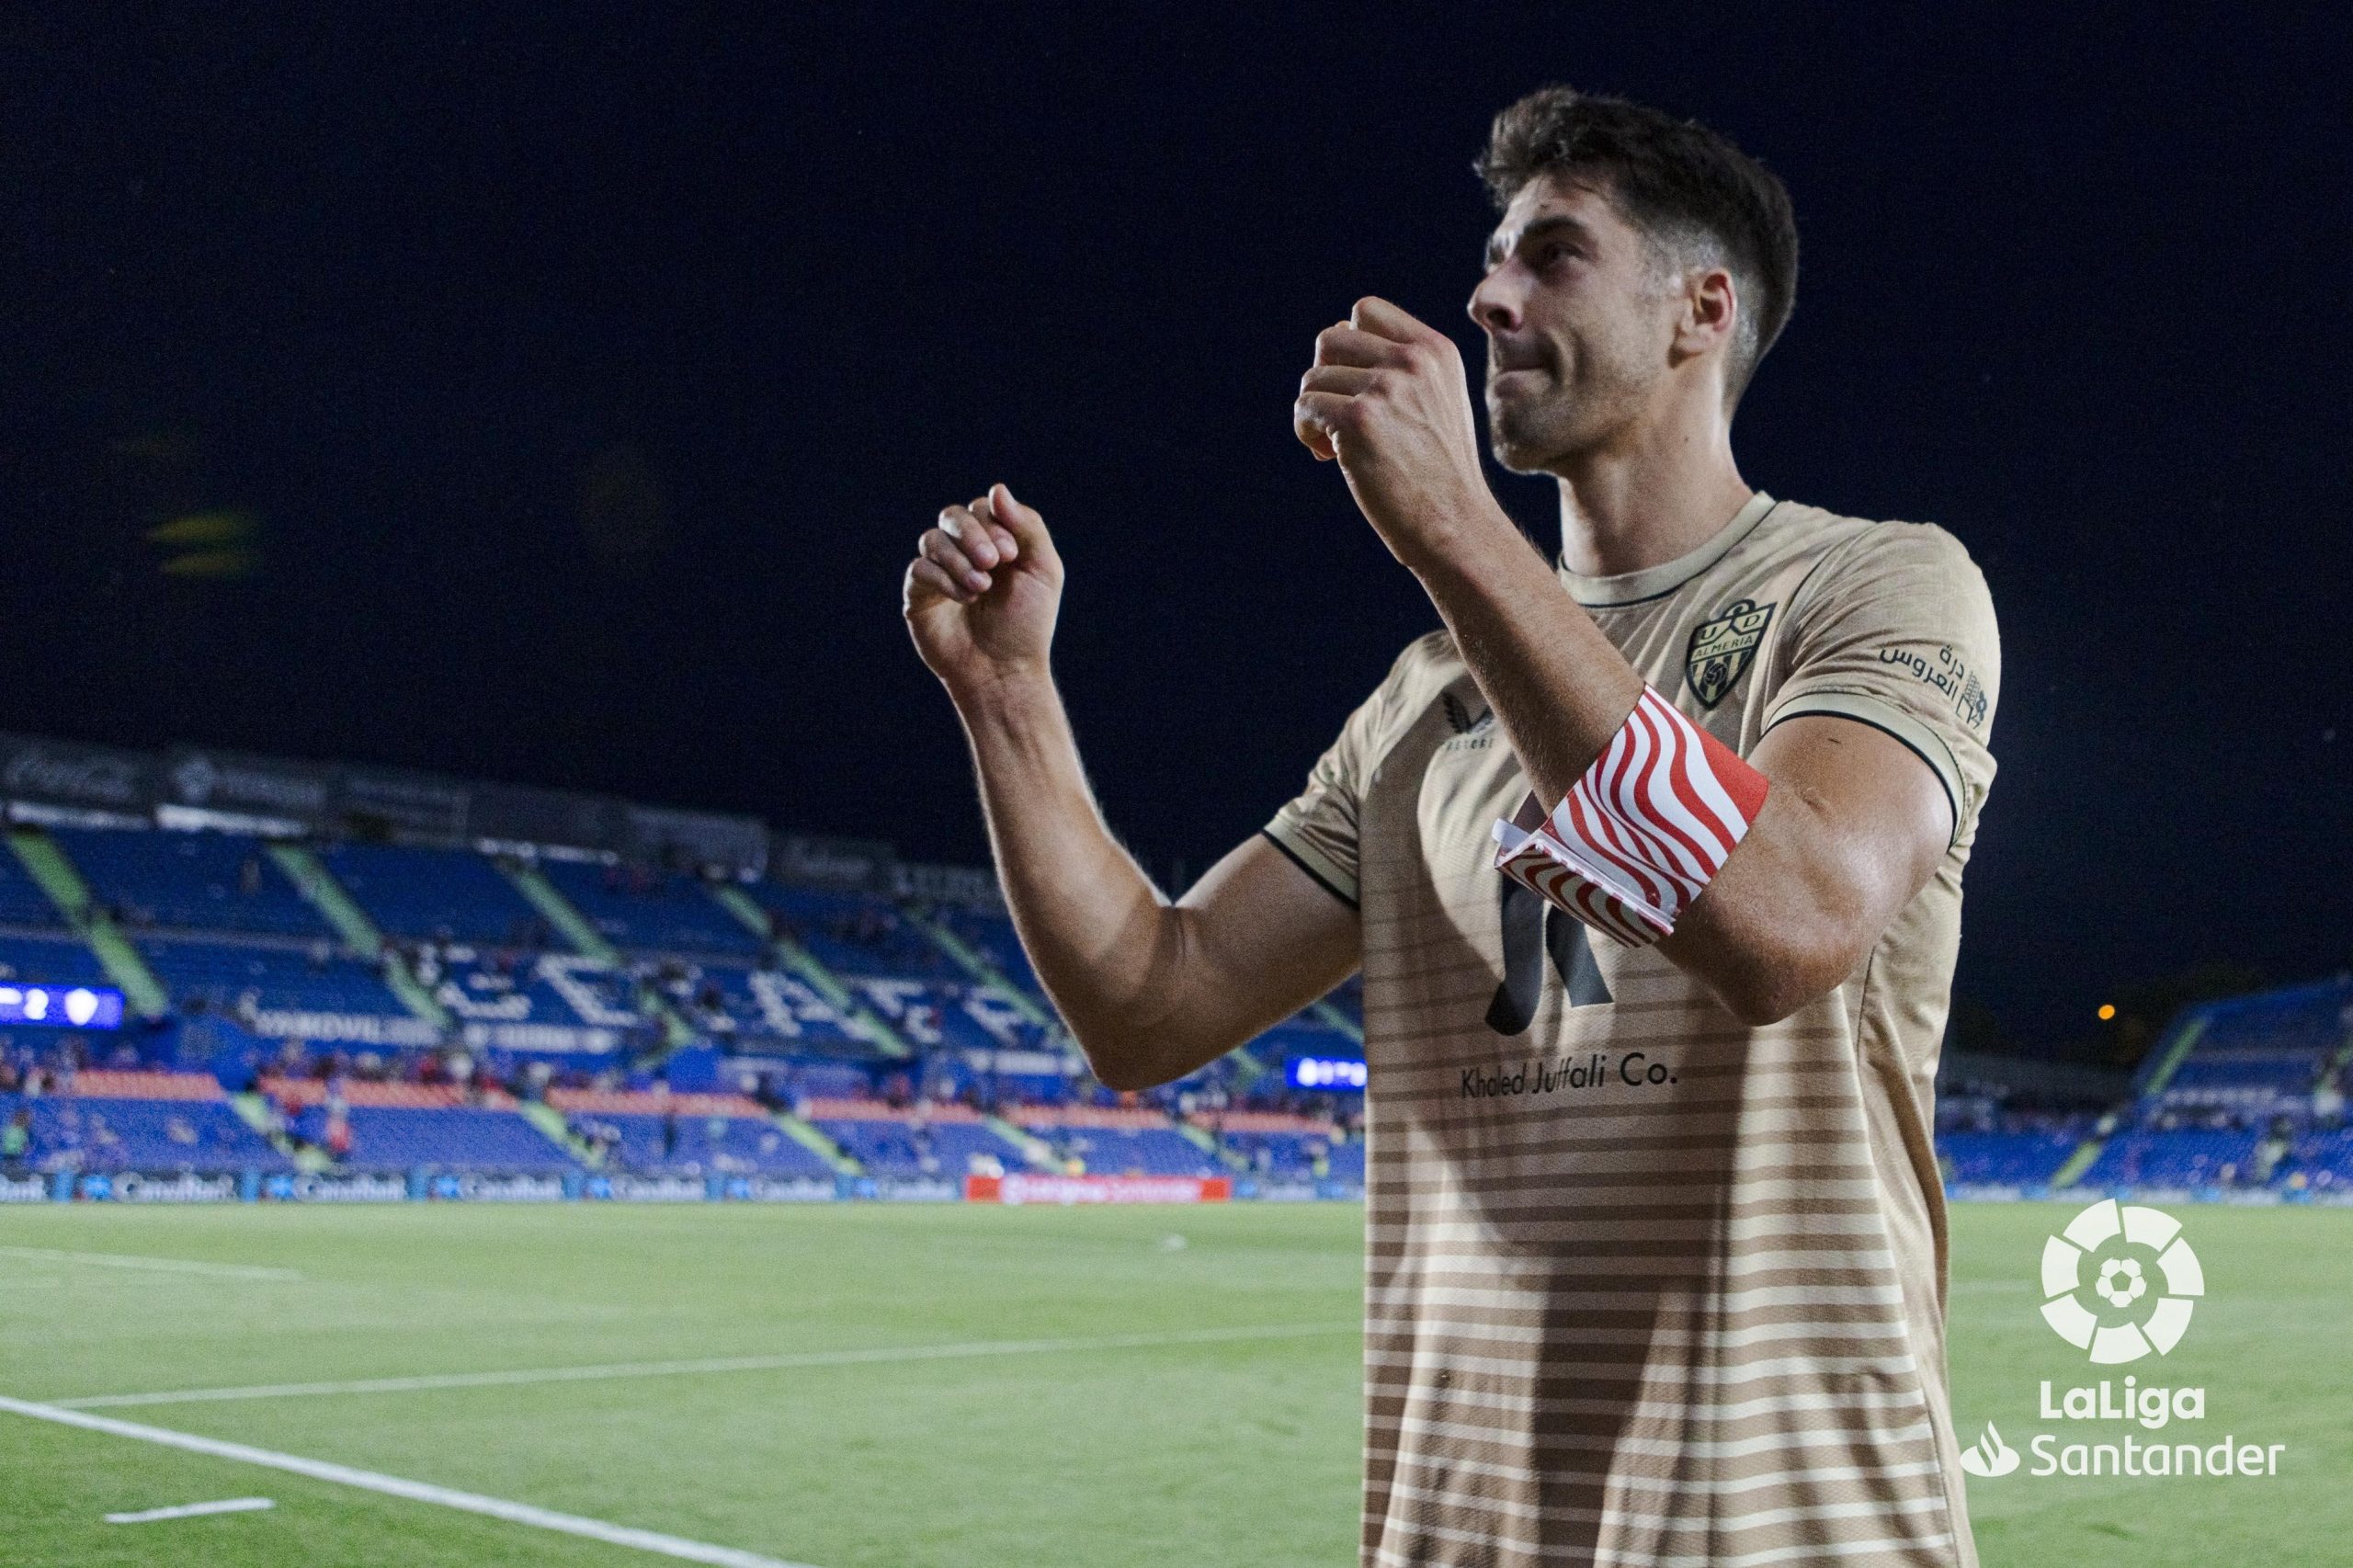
(1722,649)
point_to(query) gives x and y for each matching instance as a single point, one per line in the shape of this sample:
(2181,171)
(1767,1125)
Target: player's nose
(1494,305)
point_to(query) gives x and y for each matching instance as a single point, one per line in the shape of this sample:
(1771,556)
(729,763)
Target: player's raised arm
(1152,990)
(1791,863)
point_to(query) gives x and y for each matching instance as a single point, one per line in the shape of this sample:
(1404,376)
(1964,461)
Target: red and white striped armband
(1641,832)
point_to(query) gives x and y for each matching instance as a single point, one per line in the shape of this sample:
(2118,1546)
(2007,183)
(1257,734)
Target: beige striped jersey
(1645,1285)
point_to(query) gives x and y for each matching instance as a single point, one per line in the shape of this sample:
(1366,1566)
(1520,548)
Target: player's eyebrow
(1536,229)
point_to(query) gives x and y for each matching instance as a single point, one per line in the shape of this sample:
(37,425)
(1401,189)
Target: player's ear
(1709,314)
(1715,302)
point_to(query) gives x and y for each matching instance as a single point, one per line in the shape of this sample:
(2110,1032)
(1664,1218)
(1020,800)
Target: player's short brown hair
(1683,185)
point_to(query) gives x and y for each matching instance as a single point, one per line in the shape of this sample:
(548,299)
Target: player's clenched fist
(982,593)
(1388,398)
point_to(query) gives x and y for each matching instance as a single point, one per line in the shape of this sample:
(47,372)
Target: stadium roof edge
(76,783)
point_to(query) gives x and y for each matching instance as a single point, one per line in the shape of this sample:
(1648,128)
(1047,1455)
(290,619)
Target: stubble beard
(1546,428)
(1537,434)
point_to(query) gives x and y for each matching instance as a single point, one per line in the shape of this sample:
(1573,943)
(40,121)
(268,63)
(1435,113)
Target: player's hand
(982,594)
(1388,398)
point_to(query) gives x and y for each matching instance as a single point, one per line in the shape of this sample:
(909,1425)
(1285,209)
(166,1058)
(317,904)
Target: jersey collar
(1656,582)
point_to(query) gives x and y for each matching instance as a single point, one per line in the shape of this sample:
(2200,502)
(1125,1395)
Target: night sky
(560,398)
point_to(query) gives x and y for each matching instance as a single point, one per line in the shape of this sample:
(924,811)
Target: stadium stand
(2028,1158)
(852,934)
(244,977)
(510,987)
(689,1134)
(444,895)
(1118,1142)
(189,882)
(758,1009)
(140,1120)
(2322,1159)
(944,1140)
(22,902)
(993,937)
(2255,1056)
(2173,1158)
(49,959)
(1276,1143)
(640,910)
(405,1127)
(479,1039)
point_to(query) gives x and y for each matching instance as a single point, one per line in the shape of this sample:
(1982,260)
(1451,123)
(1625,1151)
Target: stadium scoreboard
(63,1007)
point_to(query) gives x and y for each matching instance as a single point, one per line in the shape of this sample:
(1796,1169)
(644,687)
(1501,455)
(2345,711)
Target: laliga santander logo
(2120,1284)
(1989,1456)
(2142,1290)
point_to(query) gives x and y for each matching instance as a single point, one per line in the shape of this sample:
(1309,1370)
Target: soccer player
(1652,866)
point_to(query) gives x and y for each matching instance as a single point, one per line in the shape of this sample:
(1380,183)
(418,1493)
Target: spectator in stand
(337,1140)
(64,1144)
(2328,1104)
(16,1141)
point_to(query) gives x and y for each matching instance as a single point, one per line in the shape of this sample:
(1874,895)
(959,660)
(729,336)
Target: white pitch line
(192,1511)
(416,1491)
(889,1353)
(155,1265)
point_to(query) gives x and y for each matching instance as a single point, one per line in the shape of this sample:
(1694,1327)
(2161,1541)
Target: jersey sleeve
(1318,828)
(1897,631)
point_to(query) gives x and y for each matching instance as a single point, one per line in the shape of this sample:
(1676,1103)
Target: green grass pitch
(1160,1450)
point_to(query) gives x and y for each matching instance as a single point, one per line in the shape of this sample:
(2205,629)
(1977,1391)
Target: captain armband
(1641,832)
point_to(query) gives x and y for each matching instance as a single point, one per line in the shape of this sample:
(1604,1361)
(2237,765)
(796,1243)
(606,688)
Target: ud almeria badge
(1722,648)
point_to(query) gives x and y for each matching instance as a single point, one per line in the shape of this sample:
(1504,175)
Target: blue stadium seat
(702,1145)
(196,881)
(2184,1157)
(22,902)
(1120,1151)
(60,959)
(896,1148)
(105,1134)
(644,911)
(853,933)
(276,979)
(761,1009)
(387,1139)
(436,894)
(2008,1159)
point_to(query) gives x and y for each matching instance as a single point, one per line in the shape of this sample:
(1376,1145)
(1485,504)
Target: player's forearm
(1782,922)
(1558,686)
(1104,943)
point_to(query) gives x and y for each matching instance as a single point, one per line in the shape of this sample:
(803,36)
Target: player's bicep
(1853,827)
(1265,937)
